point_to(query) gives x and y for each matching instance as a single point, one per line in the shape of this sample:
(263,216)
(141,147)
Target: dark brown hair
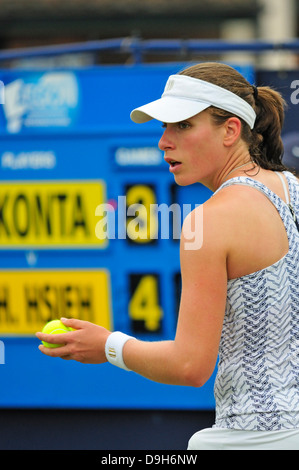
(264,140)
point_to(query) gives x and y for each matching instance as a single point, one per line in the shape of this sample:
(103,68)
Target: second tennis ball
(55,327)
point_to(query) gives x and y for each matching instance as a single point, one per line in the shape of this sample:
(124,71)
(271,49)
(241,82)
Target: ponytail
(266,147)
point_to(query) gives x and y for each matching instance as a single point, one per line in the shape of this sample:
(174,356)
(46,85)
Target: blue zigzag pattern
(257,383)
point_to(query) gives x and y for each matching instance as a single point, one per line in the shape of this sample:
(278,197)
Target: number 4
(144,303)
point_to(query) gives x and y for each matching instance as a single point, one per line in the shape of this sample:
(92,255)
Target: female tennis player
(240,289)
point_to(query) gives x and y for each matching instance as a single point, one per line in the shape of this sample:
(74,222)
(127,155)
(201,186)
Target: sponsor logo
(44,100)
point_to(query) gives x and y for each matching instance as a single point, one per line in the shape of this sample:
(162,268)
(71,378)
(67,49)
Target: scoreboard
(90,221)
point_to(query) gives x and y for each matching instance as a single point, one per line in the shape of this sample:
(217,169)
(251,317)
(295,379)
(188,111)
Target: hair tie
(255,92)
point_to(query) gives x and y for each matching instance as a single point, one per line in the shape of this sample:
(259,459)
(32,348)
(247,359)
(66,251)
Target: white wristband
(114,348)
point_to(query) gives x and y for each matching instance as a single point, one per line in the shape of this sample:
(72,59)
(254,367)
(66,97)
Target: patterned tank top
(257,382)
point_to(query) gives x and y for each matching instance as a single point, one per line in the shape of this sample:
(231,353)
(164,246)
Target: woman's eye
(183,125)
(180,125)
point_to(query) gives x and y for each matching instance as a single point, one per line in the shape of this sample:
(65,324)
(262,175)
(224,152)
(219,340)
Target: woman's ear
(233,129)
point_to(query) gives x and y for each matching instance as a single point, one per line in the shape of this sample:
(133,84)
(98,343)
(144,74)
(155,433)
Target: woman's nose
(165,142)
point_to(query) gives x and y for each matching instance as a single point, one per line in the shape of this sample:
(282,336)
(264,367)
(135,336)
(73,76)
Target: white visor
(184,97)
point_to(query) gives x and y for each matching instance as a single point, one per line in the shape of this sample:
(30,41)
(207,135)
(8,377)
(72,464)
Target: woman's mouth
(173,164)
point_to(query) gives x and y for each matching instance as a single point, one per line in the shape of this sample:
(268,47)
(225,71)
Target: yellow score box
(29,299)
(50,214)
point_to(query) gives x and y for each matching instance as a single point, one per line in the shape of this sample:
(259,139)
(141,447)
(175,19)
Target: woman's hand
(86,344)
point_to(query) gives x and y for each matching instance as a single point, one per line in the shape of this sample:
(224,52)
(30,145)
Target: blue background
(85,149)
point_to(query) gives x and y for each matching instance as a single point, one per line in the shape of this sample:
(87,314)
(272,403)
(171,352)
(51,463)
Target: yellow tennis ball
(55,327)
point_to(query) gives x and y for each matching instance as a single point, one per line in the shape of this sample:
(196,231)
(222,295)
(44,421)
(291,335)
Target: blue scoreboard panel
(78,236)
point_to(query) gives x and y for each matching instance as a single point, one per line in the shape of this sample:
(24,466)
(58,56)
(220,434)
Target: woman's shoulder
(236,211)
(232,196)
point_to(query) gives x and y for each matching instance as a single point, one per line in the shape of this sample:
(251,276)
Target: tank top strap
(294,192)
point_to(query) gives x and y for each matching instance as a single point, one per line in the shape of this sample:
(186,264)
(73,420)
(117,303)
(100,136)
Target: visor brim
(168,109)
